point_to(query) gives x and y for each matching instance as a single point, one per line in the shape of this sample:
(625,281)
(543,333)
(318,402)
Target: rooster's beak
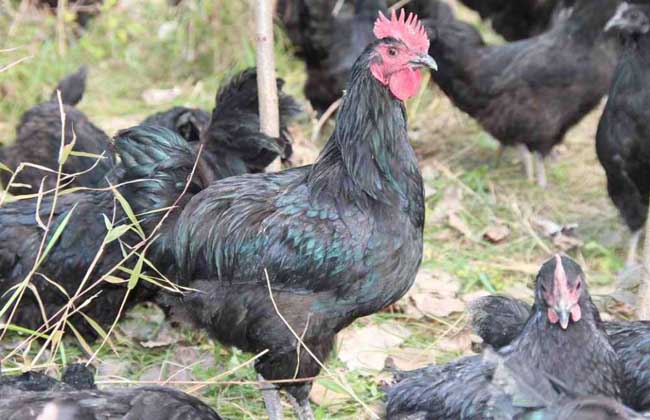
(424,60)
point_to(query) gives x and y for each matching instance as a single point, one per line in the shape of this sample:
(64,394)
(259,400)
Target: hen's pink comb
(409,30)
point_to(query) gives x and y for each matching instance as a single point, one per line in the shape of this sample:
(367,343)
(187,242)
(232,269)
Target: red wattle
(552,316)
(576,313)
(405,83)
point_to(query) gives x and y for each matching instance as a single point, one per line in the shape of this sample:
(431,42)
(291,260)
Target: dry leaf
(565,242)
(437,307)
(550,228)
(457,223)
(450,203)
(496,234)
(460,342)
(368,347)
(410,359)
(322,396)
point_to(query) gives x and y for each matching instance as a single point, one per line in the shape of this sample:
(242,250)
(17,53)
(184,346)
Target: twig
(266,84)
(15,63)
(323,119)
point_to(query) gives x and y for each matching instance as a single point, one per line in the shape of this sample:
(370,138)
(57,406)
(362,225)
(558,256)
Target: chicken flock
(180,210)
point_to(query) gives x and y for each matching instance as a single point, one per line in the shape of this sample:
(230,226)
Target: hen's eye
(392,52)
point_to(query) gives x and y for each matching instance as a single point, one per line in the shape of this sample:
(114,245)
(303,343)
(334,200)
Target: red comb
(409,30)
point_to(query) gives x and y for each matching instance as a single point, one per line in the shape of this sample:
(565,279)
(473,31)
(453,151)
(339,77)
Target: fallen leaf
(450,203)
(496,234)
(324,396)
(565,242)
(437,307)
(457,223)
(368,347)
(460,342)
(410,359)
(550,228)
(471,297)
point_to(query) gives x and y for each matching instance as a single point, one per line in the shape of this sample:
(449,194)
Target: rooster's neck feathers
(369,148)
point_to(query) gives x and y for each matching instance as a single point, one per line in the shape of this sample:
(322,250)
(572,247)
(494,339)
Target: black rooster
(35,396)
(339,239)
(38,140)
(518,92)
(624,129)
(562,339)
(499,319)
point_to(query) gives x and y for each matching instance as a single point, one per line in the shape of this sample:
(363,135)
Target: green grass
(206,41)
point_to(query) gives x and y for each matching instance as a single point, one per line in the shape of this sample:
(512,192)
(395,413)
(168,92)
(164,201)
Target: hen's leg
(540,170)
(303,408)
(271,399)
(527,160)
(630,261)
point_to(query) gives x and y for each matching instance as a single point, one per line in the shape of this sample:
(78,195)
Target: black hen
(188,122)
(233,143)
(562,338)
(233,137)
(624,129)
(518,19)
(498,320)
(35,396)
(521,392)
(339,239)
(161,161)
(151,153)
(518,92)
(38,140)
(331,44)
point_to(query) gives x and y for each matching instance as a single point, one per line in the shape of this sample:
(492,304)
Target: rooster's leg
(527,160)
(540,170)
(271,397)
(303,408)
(630,261)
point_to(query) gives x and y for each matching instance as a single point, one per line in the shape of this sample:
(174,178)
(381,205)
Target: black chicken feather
(188,122)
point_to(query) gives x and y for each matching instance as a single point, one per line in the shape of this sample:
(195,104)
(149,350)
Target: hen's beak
(424,60)
(563,313)
(618,21)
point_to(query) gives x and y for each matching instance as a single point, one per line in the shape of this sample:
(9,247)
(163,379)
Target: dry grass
(128,56)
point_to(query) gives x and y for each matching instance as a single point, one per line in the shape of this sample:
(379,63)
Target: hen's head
(559,288)
(630,19)
(399,54)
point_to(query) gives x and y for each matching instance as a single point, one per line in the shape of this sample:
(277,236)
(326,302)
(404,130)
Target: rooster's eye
(392,52)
